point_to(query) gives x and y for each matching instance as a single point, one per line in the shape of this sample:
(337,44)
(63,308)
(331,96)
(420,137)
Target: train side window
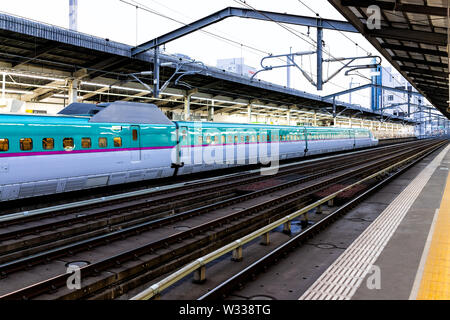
(68,143)
(208,139)
(86,143)
(236,139)
(200,140)
(48,143)
(102,142)
(26,144)
(117,142)
(4,145)
(135,135)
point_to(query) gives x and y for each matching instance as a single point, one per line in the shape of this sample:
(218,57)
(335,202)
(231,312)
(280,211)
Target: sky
(122,22)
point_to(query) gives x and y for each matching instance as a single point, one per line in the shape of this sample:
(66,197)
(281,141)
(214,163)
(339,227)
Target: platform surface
(405,252)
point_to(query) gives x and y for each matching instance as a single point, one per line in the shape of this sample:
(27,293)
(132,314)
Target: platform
(405,252)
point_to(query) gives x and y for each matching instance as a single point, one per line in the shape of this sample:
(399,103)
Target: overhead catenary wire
(222,38)
(348,38)
(296,33)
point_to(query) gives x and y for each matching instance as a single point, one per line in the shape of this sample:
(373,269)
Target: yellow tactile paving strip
(435,283)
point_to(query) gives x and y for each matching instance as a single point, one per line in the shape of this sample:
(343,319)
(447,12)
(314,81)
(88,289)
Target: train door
(181,145)
(135,143)
(352,138)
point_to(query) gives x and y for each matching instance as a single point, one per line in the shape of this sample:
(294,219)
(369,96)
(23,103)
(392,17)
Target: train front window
(86,143)
(4,145)
(102,142)
(48,143)
(68,143)
(117,142)
(26,144)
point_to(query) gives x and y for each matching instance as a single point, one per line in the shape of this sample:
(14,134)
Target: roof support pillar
(315,119)
(289,117)
(334,111)
(156,61)
(3,86)
(319,54)
(249,113)
(73,90)
(211,111)
(448,49)
(409,101)
(187,107)
(187,104)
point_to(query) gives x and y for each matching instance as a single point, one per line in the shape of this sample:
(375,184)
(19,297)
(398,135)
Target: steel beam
(418,61)
(439,74)
(399,7)
(242,13)
(319,55)
(414,49)
(439,39)
(368,85)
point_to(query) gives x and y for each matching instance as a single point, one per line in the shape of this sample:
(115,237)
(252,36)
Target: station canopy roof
(412,35)
(104,68)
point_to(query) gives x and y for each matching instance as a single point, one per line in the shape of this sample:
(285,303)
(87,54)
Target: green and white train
(87,146)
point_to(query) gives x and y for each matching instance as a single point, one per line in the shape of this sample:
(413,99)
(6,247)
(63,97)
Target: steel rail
(157,288)
(95,268)
(221,290)
(155,191)
(114,219)
(15,265)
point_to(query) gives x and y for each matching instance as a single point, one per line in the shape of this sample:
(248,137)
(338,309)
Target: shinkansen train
(87,146)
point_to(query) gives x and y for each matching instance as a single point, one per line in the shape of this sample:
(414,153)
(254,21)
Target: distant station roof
(412,36)
(29,45)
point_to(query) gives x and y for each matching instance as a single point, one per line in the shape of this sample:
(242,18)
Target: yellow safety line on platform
(435,283)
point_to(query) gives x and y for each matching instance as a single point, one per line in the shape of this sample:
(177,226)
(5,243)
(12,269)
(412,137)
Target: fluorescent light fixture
(32,76)
(18,91)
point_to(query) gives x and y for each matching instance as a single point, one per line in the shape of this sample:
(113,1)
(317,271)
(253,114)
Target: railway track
(248,274)
(148,227)
(66,227)
(236,277)
(105,217)
(46,201)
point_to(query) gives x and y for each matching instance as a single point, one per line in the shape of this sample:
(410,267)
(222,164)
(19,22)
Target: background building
(236,65)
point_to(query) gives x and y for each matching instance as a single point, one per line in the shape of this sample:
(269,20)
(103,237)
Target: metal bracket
(178,67)
(290,57)
(352,67)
